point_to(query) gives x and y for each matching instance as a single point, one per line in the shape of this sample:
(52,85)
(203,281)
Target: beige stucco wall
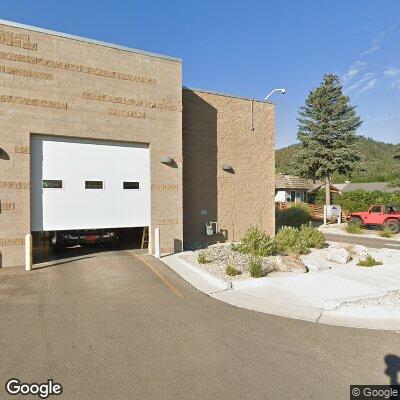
(217,131)
(54,85)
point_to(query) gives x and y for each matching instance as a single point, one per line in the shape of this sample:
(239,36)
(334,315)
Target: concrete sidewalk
(319,297)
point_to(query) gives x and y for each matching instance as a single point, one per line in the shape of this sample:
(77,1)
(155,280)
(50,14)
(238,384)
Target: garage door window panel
(94,185)
(131,186)
(52,184)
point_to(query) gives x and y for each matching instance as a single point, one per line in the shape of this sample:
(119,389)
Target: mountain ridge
(377,164)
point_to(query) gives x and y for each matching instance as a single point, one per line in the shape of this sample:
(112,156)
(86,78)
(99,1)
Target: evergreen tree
(327,126)
(395,183)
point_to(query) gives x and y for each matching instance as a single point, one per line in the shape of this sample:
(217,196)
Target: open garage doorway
(85,243)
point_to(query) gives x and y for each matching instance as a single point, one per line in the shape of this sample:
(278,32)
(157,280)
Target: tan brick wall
(44,84)
(217,131)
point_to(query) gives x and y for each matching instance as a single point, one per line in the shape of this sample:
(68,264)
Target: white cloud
(371,84)
(360,82)
(354,70)
(395,84)
(372,49)
(375,44)
(358,79)
(392,72)
(364,84)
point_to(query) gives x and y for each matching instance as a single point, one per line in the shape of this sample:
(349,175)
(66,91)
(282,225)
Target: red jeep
(387,216)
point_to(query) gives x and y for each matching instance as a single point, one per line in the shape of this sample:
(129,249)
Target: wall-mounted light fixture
(4,155)
(167,160)
(228,168)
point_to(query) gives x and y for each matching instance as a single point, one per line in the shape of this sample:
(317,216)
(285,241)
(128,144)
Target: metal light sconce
(227,168)
(167,160)
(4,155)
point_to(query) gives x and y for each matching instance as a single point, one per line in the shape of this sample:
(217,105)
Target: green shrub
(256,243)
(298,249)
(386,232)
(202,257)
(255,267)
(369,261)
(231,270)
(360,200)
(312,237)
(296,216)
(354,228)
(287,238)
(297,242)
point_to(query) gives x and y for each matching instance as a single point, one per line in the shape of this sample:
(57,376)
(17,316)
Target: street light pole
(283,91)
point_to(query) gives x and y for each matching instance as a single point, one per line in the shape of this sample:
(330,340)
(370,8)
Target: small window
(376,209)
(292,196)
(131,185)
(52,184)
(93,184)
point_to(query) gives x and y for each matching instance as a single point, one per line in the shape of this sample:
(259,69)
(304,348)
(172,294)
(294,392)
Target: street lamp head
(283,91)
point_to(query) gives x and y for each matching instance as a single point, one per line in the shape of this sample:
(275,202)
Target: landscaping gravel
(390,302)
(222,254)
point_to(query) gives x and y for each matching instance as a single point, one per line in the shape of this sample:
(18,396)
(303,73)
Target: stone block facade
(223,130)
(61,86)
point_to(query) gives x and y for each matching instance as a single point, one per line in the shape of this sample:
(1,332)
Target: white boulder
(315,260)
(338,255)
(289,264)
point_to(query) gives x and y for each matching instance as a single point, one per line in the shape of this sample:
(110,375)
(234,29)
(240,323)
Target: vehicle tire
(355,220)
(393,225)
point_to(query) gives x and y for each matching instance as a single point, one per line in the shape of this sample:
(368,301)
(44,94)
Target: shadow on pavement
(393,368)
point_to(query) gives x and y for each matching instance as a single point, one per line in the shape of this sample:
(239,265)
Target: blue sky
(250,47)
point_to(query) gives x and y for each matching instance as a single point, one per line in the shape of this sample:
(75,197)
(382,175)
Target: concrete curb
(211,279)
(243,300)
(198,278)
(333,313)
(356,316)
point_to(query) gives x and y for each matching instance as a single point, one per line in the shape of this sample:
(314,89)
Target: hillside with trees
(378,161)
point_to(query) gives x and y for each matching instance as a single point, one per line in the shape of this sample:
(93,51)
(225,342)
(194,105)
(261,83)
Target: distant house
(367,186)
(294,189)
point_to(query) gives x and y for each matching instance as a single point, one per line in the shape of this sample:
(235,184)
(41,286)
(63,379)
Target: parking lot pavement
(119,327)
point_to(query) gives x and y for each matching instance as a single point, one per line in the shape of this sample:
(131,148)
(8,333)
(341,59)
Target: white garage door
(83,184)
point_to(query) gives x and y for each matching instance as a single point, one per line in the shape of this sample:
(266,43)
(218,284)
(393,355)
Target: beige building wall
(218,130)
(56,85)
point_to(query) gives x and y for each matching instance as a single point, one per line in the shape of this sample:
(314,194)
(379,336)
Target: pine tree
(327,126)
(395,183)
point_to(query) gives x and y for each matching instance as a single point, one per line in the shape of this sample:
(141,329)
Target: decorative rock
(338,255)
(315,260)
(360,248)
(289,264)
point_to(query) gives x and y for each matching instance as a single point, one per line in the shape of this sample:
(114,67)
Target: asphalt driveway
(367,241)
(112,326)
